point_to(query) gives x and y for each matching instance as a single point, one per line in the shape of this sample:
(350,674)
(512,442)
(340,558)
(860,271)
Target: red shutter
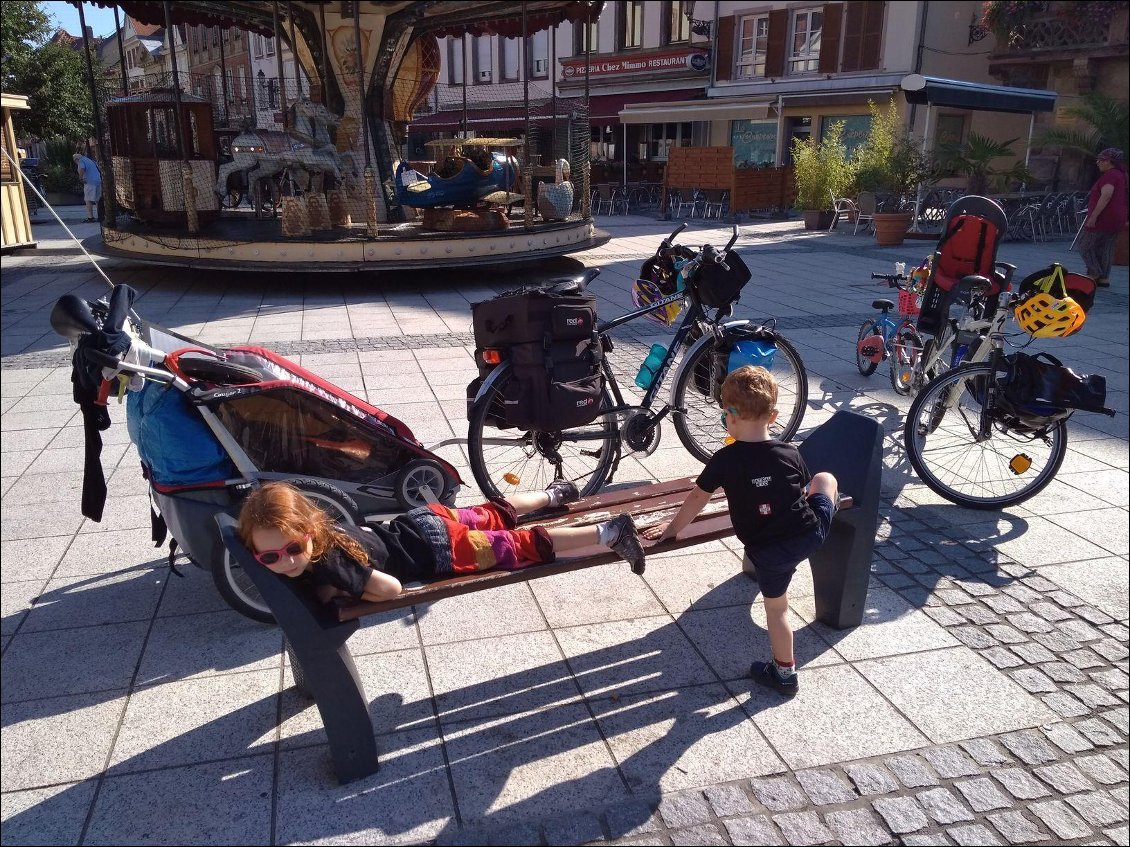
(724,47)
(778,36)
(853,35)
(871,48)
(830,38)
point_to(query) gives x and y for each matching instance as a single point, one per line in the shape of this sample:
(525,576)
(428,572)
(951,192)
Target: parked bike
(506,461)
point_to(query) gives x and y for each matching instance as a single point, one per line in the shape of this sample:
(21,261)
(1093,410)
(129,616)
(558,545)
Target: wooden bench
(316,634)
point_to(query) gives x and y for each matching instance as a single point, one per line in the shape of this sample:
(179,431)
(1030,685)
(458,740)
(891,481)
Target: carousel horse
(466,185)
(265,154)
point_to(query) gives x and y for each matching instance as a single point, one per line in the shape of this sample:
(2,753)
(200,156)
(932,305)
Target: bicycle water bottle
(650,366)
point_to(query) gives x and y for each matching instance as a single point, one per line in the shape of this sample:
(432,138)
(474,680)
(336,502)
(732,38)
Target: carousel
(327,184)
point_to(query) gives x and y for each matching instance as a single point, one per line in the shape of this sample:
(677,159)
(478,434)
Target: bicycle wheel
(698,424)
(941,439)
(511,461)
(908,348)
(866,363)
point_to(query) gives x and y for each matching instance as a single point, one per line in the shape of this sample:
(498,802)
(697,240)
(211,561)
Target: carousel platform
(243,242)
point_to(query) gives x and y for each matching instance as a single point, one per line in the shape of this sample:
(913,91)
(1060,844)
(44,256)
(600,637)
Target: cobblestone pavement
(983,700)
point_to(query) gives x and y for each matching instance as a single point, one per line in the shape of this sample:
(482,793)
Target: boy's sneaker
(767,674)
(562,492)
(626,542)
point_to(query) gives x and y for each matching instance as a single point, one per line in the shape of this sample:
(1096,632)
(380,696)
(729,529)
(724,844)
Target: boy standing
(780,512)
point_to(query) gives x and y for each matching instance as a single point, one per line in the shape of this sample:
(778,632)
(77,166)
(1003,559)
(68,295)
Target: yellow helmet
(1045,316)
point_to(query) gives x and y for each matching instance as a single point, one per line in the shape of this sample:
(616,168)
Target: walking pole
(1077,234)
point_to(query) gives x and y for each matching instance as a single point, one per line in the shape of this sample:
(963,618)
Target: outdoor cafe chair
(865,205)
(842,208)
(716,202)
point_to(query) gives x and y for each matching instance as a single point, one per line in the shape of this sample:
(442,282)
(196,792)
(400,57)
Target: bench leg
(841,569)
(326,673)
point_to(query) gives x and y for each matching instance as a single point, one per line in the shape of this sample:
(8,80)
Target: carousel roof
(446,17)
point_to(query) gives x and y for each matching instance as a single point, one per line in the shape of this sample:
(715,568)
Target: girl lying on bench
(291,536)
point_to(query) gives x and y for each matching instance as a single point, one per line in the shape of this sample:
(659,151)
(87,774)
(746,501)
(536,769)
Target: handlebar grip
(104,392)
(733,239)
(678,229)
(724,266)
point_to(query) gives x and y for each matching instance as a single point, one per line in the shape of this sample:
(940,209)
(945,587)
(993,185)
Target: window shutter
(871,47)
(778,36)
(853,36)
(724,60)
(830,38)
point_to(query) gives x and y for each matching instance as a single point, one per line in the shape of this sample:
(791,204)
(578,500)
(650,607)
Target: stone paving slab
(983,701)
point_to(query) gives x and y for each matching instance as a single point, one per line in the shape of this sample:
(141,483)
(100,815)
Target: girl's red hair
(281,506)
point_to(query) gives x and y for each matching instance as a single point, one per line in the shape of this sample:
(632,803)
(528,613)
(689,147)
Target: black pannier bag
(555,354)
(1040,386)
(718,287)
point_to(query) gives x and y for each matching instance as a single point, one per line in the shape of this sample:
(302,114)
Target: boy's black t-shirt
(395,548)
(764,483)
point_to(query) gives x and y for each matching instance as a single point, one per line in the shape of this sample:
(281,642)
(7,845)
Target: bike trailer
(971,235)
(549,337)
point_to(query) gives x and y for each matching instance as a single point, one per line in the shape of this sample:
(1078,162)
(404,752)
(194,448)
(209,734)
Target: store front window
(754,143)
(856,129)
(660,138)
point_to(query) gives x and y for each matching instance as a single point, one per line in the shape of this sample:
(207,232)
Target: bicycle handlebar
(892,280)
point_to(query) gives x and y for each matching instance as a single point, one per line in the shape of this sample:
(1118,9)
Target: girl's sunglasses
(729,411)
(270,557)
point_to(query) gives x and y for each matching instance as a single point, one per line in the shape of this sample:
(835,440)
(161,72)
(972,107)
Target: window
(660,138)
(482,54)
(805,55)
(269,46)
(631,23)
(257,41)
(579,37)
(537,55)
(195,38)
(753,45)
(508,59)
(676,22)
(951,129)
(454,61)
(215,36)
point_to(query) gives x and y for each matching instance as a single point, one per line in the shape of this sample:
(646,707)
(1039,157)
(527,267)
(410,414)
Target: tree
(974,159)
(1106,122)
(58,94)
(24,26)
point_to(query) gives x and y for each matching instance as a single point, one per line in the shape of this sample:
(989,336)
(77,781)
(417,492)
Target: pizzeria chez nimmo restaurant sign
(671,60)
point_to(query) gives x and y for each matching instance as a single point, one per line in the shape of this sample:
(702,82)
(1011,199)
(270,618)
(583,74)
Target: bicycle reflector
(1020,464)
(491,356)
(872,348)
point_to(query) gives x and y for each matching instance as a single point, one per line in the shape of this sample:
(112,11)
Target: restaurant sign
(669,60)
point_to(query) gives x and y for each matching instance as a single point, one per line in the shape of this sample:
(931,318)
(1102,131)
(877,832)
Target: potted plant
(890,162)
(974,160)
(823,173)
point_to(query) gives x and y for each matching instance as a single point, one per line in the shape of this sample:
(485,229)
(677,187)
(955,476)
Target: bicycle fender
(489,382)
(702,342)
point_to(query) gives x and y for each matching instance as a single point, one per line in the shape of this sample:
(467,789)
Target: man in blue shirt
(91,184)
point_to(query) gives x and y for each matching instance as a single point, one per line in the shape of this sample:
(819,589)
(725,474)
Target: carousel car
(468,184)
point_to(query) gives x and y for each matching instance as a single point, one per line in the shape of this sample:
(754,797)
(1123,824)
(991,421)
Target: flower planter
(891,227)
(818,218)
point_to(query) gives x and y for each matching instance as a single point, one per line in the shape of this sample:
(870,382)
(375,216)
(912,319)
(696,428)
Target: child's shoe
(626,541)
(769,675)
(562,492)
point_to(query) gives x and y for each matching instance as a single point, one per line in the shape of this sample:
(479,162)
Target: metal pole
(1028,146)
(553,85)
(918,191)
(293,49)
(186,174)
(121,54)
(624,156)
(224,77)
(279,65)
(325,55)
(586,170)
(361,80)
(527,169)
(463,59)
(106,164)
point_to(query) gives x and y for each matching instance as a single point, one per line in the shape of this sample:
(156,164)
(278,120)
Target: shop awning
(606,108)
(701,110)
(958,94)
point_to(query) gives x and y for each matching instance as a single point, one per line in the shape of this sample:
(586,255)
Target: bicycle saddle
(970,286)
(572,284)
(882,304)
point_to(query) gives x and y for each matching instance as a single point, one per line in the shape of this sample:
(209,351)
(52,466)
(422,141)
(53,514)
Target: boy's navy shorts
(776,562)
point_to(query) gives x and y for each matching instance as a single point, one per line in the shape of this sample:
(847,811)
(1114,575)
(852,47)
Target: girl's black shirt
(395,548)
(765,483)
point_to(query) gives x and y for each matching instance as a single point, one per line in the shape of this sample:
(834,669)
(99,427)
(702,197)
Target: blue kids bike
(884,337)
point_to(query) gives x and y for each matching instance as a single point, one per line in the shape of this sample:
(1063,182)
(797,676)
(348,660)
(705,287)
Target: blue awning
(959,94)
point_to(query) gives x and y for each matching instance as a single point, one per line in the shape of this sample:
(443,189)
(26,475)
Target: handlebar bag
(717,287)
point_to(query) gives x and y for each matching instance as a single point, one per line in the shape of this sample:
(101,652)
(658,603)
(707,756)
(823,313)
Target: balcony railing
(1056,31)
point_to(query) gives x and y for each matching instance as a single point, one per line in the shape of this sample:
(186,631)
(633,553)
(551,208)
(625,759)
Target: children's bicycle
(882,337)
(506,460)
